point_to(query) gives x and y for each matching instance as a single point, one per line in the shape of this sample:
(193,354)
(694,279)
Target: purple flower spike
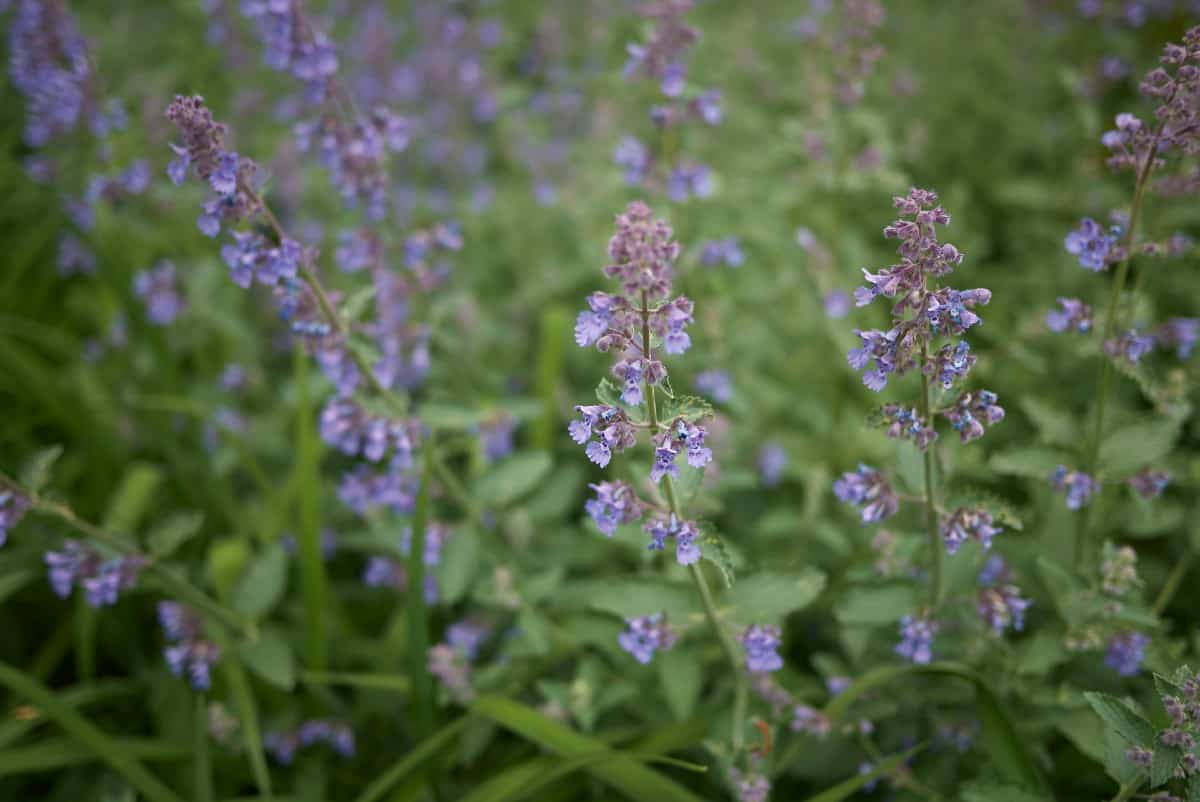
(869,489)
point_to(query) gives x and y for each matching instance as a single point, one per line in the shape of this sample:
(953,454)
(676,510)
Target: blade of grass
(413,760)
(554,334)
(202,782)
(421,708)
(11,731)
(314,583)
(844,789)
(547,775)
(86,733)
(54,754)
(622,772)
(382,682)
(243,698)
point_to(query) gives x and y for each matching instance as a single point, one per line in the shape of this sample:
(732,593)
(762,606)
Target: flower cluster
(999,603)
(159,290)
(1074,315)
(102,580)
(189,654)
(293,44)
(762,644)
(1078,486)
(972,412)
(48,62)
(916,638)
(356,154)
(283,745)
(683,533)
(450,661)
(1095,247)
(1118,571)
(645,635)
(869,489)
(1149,482)
(907,424)
(965,524)
(1129,346)
(615,503)
(1180,334)
(1181,701)
(393,573)
(12,509)
(1125,653)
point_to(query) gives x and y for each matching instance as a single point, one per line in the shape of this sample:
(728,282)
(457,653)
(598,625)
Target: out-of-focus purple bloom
(916,638)
(772,460)
(48,64)
(74,257)
(964,524)
(645,635)
(715,384)
(467,636)
(12,509)
(1125,652)
(1118,571)
(1074,315)
(725,251)
(869,489)
(762,648)
(102,580)
(995,571)
(1129,346)
(189,655)
(283,745)
(837,304)
(810,720)
(497,436)
(1179,333)
(1091,244)
(1078,486)
(452,669)
(1149,483)
(752,787)
(615,503)
(159,289)
(689,180)
(1002,607)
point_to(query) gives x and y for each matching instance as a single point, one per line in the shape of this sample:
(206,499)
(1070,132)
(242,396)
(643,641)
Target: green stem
(1173,581)
(1127,790)
(706,597)
(931,516)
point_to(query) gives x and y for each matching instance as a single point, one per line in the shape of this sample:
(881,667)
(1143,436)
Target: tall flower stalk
(1143,149)
(928,322)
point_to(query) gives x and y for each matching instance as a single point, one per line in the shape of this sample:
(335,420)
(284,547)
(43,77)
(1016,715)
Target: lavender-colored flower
(394,488)
(725,251)
(750,788)
(762,644)
(837,304)
(293,44)
(1129,346)
(1074,315)
(1078,486)
(452,669)
(1125,652)
(916,638)
(497,436)
(48,64)
(283,745)
(609,425)
(12,509)
(351,429)
(1002,607)
(906,424)
(688,180)
(772,460)
(1179,333)
(995,571)
(972,412)
(193,660)
(159,289)
(964,524)
(715,384)
(1092,244)
(74,257)
(810,720)
(1149,483)
(615,503)
(645,635)
(634,157)
(1140,756)
(468,635)
(679,436)
(684,533)
(78,564)
(869,489)
(836,684)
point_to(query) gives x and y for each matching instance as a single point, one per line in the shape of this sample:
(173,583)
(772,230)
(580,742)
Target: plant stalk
(931,516)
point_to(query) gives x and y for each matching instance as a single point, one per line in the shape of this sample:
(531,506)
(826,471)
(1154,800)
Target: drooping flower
(610,427)
(762,644)
(1078,486)
(972,412)
(189,655)
(102,580)
(1179,333)
(1129,346)
(1002,607)
(645,635)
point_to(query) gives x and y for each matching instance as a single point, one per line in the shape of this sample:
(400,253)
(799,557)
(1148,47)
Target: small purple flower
(1091,244)
(1140,756)
(684,533)
(1078,486)
(964,524)
(468,636)
(689,180)
(810,720)
(906,424)
(645,635)
(609,425)
(1149,483)
(869,489)
(497,436)
(159,289)
(1002,607)
(634,157)
(761,644)
(972,412)
(1129,346)
(1179,333)
(1074,315)
(725,251)
(716,384)
(750,788)
(916,638)
(1125,652)
(615,503)
(837,304)
(12,509)
(772,460)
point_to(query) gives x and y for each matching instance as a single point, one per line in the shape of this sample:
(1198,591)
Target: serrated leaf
(712,547)
(1133,447)
(770,596)
(1122,717)
(512,478)
(693,408)
(36,473)
(1035,463)
(263,584)
(608,393)
(870,605)
(270,657)
(1166,758)
(1055,426)
(173,532)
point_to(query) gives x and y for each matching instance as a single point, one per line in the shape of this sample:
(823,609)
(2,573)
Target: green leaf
(621,771)
(844,789)
(1130,448)
(512,478)
(1166,758)
(177,529)
(413,760)
(247,713)
(770,596)
(381,682)
(681,675)
(356,305)
(459,564)
(713,548)
(132,498)
(999,738)
(226,560)
(1055,426)
(1122,717)
(630,598)
(991,791)
(693,408)
(883,603)
(1034,463)
(447,417)
(55,754)
(36,473)
(262,585)
(83,731)
(270,657)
